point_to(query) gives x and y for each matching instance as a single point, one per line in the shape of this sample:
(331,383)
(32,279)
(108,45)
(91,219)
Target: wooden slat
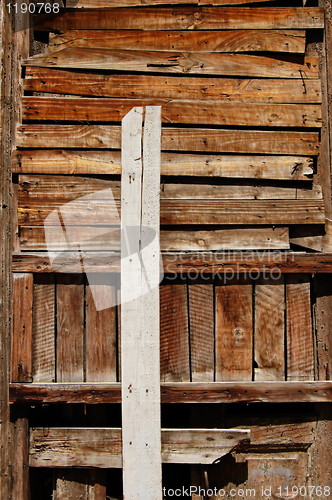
(179,392)
(269,348)
(101,4)
(172,139)
(174,335)
(100,333)
(21,355)
(70,316)
(234,330)
(199,41)
(77,447)
(201,327)
(242,90)
(20,459)
(59,161)
(187,112)
(43,329)
(183,18)
(176,262)
(300,349)
(71,484)
(179,62)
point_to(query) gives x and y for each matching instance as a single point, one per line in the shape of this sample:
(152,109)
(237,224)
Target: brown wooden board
(21,355)
(122,3)
(183,18)
(186,112)
(201,325)
(174,334)
(58,161)
(172,139)
(323,326)
(234,330)
(300,343)
(179,62)
(269,345)
(242,90)
(70,317)
(200,41)
(43,329)
(20,459)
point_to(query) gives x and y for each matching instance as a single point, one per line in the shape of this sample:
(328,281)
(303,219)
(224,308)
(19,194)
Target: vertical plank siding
(22,328)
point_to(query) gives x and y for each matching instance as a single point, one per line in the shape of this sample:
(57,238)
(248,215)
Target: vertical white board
(140,366)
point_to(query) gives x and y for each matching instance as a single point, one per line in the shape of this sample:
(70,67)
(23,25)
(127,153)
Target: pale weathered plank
(79,447)
(174,338)
(160,87)
(43,329)
(141,438)
(178,62)
(234,329)
(100,331)
(70,316)
(172,139)
(21,346)
(199,41)
(71,484)
(201,328)
(269,349)
(88,237)
(186,112)
(300,343)
(183,18)
(59,161)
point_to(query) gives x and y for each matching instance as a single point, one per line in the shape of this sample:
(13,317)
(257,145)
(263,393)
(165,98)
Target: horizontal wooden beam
(104,4)
(199,41)
(180,392)
(102,448)
(186,112)
(240,90)
(59,161)
(183,18)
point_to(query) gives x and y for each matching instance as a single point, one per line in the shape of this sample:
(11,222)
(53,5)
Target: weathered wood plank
(323,326)
(43,329)
(179,62)
(100,331)
(20,459)
(269,261)
(198,41)
(179,392)
(186,112)
(21,354)
(71,484)
(234,330)
(70,316)
(172,139)
(201,328)
(183,18)
(300,348)
(122,3)
(59,161)
(161,87)
(269,348)
(174,335)
(77,447)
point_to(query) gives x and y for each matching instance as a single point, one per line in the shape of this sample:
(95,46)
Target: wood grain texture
(300,349)
(101,448)
(241,90)
(70,316)
(201,327)
(71,484)
(183,18)
(172,139)
(174,335)
(20,459)
(234,330)
(200,41)
(33,239)
(199,63)
(21,355)
(269,346)
(122,3)
(59,161)
(178,392)
(100,328)
(43,329)
(323,322)
(186,112)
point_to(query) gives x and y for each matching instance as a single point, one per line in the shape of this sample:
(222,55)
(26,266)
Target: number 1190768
(34,8)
